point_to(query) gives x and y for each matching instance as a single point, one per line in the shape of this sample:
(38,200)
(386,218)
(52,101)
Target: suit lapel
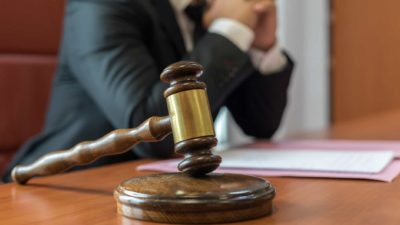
(169,24)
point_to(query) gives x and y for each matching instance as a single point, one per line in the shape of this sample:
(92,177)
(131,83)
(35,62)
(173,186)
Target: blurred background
(346,55)
(304,32)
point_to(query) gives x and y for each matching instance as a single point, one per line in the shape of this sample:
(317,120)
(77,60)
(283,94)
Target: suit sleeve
(258,104)
(107,54)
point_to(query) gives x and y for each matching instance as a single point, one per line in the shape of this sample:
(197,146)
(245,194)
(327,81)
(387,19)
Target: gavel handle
(115,142)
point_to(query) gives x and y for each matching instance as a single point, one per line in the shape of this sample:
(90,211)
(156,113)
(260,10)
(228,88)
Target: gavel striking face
(189,120)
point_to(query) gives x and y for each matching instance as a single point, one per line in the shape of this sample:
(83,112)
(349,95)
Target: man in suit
(114,50)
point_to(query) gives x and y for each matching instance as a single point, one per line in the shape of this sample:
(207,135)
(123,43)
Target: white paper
(349,161)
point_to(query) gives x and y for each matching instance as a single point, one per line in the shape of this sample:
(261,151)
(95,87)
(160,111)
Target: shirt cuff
(238,33)
(268,62)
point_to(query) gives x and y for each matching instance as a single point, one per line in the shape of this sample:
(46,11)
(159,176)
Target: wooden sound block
(180,198)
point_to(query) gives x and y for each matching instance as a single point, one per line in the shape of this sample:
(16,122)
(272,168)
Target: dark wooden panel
(25,83)
(365,58)
(30,26)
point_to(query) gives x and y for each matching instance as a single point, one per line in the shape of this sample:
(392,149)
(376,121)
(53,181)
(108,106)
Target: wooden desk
(86,197)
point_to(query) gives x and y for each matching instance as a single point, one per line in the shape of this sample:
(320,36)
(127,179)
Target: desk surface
(86,197)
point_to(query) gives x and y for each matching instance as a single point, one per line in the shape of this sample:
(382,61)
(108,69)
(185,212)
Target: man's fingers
(263,6)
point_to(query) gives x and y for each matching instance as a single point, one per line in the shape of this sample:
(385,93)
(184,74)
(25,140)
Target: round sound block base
(179,198)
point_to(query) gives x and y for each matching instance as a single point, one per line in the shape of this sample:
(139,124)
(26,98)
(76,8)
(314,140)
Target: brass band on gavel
(190,115)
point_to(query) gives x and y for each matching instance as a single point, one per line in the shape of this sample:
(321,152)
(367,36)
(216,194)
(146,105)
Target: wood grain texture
(85,197)
(115,142)
(365,58)
(179,198)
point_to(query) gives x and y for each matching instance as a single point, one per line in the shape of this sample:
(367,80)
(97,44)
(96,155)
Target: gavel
(194,195)
(189,120)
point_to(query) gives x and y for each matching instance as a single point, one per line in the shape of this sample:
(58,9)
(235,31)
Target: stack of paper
(308,160)
(332,159)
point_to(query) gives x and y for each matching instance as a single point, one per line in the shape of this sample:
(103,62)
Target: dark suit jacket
(108,77)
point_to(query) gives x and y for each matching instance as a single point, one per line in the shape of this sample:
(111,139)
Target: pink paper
(387,175)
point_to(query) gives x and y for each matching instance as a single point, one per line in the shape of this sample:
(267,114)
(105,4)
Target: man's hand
(258,15)
(239,10)
(265,30)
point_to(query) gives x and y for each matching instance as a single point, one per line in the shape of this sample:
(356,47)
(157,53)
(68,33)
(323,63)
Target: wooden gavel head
(190,116)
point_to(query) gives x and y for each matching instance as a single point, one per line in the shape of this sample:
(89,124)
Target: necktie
(195,13)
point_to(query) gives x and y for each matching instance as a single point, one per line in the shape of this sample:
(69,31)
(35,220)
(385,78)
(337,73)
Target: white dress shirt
(242,36)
